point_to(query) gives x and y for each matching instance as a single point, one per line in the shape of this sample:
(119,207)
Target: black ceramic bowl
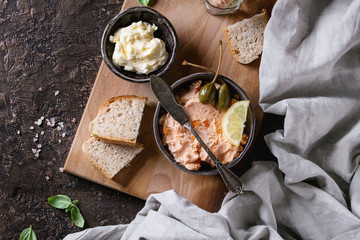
(165,32)
(183,84)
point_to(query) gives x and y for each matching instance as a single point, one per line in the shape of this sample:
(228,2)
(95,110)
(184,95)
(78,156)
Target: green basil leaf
(69,209)
(75,202)
(33,235)
(60,201)
(28,234)
(144,2)
(77,217)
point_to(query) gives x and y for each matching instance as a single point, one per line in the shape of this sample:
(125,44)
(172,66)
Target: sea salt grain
(37,153)
(50,122)
(57,92)
(32,128)
(61,124)
(36,138)
(39,121)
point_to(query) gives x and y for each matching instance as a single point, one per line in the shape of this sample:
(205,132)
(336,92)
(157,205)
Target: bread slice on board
(245,38)
(118,120)
(109,158)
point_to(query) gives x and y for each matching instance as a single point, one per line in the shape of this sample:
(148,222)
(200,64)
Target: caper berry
(207,93)
(223,97)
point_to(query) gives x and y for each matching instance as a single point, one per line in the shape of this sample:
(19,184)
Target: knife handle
(231,180)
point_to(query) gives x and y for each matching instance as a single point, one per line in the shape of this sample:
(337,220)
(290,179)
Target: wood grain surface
(45,47)
(150,172)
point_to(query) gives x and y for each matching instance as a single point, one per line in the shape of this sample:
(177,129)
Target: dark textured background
(45,47)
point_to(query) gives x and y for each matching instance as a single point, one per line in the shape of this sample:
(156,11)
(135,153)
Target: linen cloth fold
(310,73)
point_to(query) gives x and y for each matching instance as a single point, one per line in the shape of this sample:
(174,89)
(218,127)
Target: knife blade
(167,99)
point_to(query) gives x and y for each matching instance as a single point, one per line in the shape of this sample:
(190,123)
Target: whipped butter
(137,50)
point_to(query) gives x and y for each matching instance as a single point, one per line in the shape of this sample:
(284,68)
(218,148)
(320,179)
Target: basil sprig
(28,234)
(64,202)
(144,2)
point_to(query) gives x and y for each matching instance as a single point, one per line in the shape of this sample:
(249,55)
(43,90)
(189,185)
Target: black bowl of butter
(137,43)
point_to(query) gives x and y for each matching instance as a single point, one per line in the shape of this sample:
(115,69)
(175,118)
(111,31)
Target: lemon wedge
(233,123)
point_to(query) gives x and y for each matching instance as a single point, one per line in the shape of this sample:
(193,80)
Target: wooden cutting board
(198,33)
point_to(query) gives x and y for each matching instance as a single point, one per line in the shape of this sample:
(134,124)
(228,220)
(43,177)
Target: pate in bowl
(181,148)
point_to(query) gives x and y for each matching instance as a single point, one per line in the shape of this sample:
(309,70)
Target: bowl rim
(167,65)
(167,153)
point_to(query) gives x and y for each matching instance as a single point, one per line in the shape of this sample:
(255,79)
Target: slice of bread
(109,158)
(118,120)
(245,38)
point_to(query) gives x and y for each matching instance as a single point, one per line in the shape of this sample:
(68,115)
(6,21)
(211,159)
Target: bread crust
(88,157)
(233,51)
(114,140)
(267,17)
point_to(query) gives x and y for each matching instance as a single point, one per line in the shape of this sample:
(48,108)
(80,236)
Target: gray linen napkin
(309,72)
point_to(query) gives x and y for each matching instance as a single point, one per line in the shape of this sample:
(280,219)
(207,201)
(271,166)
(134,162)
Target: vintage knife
(167,99)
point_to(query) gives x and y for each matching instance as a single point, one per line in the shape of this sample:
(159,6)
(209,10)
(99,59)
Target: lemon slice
(233,122)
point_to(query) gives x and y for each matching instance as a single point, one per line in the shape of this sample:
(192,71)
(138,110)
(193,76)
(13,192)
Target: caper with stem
(208,91)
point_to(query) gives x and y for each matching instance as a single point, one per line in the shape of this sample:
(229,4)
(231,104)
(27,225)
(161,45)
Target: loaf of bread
(109,158)
(245,38)
(118,120)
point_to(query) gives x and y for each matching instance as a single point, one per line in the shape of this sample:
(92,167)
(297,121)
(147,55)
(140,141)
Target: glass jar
(216,10)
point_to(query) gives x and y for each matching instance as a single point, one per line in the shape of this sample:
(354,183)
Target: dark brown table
(49,58)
